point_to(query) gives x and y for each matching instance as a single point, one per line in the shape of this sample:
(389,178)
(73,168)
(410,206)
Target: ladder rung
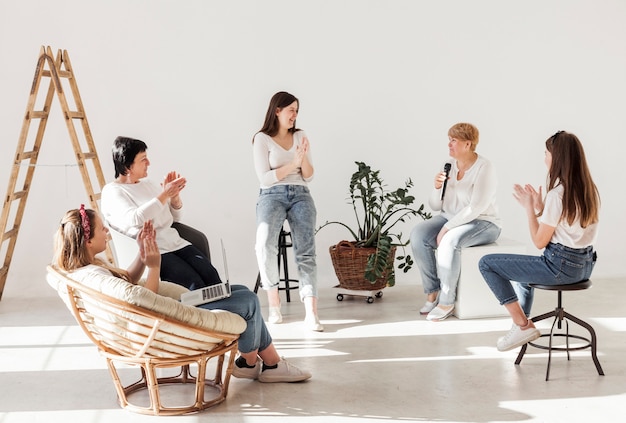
(17,195)
(76,115)
(61,73)
(9,234)
(27,155)
(37,115)
(90,156)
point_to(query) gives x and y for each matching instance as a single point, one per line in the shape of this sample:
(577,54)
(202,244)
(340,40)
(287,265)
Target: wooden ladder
(55,71)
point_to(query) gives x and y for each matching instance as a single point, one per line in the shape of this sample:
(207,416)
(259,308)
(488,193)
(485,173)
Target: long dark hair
(278,101)
(569,168)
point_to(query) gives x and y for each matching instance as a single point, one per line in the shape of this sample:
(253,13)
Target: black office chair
(197,238)
(561,315)
(289,283)
(125,248)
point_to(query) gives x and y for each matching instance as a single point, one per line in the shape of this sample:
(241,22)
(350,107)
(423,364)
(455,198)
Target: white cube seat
(474,299)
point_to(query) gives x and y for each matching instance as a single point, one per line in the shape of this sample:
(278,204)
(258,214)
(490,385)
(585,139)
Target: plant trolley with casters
(349,262)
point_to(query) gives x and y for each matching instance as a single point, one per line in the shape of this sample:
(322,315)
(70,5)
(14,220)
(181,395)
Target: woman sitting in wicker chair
(82,235)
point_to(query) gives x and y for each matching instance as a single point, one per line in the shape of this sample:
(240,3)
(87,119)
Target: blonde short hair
(466,132)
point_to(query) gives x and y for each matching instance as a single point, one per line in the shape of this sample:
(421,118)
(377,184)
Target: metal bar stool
(559,315)
(290,283)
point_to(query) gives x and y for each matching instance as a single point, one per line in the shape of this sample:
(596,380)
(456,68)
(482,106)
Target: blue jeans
(245,303)
(294,203)
(441,272)
(559,265)
(188,267)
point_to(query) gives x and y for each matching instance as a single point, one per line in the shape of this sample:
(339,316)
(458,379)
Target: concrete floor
(374,363)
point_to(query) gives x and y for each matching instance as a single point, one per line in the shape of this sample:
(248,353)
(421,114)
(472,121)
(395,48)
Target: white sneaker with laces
(274,315)
(516,337)
(285,372)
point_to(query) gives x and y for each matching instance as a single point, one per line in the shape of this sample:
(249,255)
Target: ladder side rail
(20,157)
(62,58)
(86,130)
(69,122)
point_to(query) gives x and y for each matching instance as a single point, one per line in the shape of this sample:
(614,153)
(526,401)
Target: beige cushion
(166,344)
(168,289)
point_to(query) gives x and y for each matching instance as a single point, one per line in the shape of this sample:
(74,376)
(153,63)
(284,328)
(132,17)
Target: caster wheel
(339,297)
(379,294)
(370,300)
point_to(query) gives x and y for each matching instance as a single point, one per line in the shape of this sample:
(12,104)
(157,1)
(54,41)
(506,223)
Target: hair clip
(84,220)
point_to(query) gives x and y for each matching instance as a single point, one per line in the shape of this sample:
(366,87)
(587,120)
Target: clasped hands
(301,151)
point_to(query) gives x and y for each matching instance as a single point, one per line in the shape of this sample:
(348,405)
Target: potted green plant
(367,262)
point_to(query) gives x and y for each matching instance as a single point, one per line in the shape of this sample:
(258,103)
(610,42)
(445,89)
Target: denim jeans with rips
(294,204)
(440,266)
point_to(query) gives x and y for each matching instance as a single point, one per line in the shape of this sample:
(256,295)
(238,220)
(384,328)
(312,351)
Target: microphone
(446,169)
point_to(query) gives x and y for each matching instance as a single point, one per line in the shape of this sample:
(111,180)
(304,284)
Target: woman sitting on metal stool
(282,161)
(565,224)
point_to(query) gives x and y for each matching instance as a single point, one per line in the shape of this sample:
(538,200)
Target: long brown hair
(581,198)
(279,101)
(70,243)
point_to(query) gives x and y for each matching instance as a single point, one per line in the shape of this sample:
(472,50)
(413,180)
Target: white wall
(379,81)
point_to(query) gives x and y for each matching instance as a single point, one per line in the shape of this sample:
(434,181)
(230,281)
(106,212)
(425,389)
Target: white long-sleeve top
(269,156)
(473,197)
(127,206)
(574,235)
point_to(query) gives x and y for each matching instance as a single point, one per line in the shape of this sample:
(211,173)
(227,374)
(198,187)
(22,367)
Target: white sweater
(127,206)
(473,197)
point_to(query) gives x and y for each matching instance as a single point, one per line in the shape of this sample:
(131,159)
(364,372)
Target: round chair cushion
(578,286)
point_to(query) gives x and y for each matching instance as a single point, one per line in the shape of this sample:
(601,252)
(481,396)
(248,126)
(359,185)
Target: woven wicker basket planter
(349,263)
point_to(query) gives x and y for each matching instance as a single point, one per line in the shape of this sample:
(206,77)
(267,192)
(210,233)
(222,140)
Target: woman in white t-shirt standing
(565,224)
(282,161)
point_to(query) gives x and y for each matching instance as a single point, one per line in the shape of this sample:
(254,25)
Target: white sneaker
(516,337)
(314,324)
(247,372)
(285,372)
(274,315)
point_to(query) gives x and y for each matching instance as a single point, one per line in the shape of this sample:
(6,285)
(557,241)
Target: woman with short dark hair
(132,199)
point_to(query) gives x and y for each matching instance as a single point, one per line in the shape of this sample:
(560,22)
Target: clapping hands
(528,197)
(301,151)
(173,184)
(148,248)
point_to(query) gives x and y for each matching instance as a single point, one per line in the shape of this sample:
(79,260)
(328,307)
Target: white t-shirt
(573,236)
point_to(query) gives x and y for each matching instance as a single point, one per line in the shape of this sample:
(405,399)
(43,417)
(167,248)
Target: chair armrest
(197,238)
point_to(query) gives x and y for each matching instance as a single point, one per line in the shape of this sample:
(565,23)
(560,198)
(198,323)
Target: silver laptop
(209,293)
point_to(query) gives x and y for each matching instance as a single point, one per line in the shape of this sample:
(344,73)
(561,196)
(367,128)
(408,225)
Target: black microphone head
(447,167)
